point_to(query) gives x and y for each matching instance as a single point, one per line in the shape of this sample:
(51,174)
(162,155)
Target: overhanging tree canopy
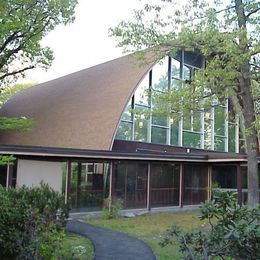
(23,24)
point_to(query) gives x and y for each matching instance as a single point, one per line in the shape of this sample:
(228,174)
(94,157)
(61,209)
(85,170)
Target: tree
(228,37)
(23,24)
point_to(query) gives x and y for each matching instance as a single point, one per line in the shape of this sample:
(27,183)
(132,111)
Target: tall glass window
(208,128)
(160,75)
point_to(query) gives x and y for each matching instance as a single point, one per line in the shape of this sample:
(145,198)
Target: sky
(85,43)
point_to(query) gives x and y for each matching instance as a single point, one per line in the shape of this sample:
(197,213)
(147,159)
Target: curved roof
(81,110)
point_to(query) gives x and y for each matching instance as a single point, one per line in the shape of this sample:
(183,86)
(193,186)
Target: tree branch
(16,72)
(8,40)
(253,12)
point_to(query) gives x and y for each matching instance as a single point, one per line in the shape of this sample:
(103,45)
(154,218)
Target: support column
(78,191)
(9,175)
(181,186)
(239,185)
(209,181)
(68,178)
(111,185)
(149,188)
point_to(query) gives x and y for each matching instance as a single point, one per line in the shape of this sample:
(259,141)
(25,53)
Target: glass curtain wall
(130,185)
(165,184)
(211,129)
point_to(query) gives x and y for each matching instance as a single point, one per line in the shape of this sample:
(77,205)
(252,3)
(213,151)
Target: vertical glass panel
(219,143)
(187,121)
(191,139)
(158,119)
(131,185)
(160,75)
(193,59)
(231,138)
(186,73)
(176,84)
(195,184)
(141,124)
(127,115)
(142,92)
(176,68)
(219,120)
(159,135)
(196,121)
(174,132)
(124,131)
(192,121)
(141,130)
(165,182)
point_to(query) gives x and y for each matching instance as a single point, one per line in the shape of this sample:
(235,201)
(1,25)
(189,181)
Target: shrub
(28,221)
(232,231)
(111,210)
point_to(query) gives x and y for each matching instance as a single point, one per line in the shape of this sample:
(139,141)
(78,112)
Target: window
(213,128)
(160,75)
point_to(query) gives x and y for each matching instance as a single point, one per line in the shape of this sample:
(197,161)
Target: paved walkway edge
(109,244)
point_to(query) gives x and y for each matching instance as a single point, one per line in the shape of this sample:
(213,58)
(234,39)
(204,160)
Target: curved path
(111,244)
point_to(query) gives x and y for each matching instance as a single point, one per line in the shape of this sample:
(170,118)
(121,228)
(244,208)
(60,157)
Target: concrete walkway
(111,244)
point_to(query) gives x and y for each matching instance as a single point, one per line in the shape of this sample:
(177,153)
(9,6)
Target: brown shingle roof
(80,110)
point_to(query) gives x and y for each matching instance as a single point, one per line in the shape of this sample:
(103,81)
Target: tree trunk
(248,111)
(252,151)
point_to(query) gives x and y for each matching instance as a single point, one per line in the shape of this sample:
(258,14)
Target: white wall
(31,173)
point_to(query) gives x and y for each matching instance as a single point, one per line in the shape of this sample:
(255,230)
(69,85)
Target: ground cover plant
(75,247)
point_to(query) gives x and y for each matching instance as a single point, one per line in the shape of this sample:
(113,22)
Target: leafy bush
(232,231)
(28,221)
(111,210)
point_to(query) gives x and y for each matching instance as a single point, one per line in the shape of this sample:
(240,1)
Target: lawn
(151,227)
(76,247)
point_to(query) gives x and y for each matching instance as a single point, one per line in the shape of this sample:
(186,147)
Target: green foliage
(111,209)
(233,231)
(23,24)
(28,222)
(75,247)
(7,92)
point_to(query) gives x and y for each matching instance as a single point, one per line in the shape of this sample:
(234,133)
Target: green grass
(151,228)
(76,247)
